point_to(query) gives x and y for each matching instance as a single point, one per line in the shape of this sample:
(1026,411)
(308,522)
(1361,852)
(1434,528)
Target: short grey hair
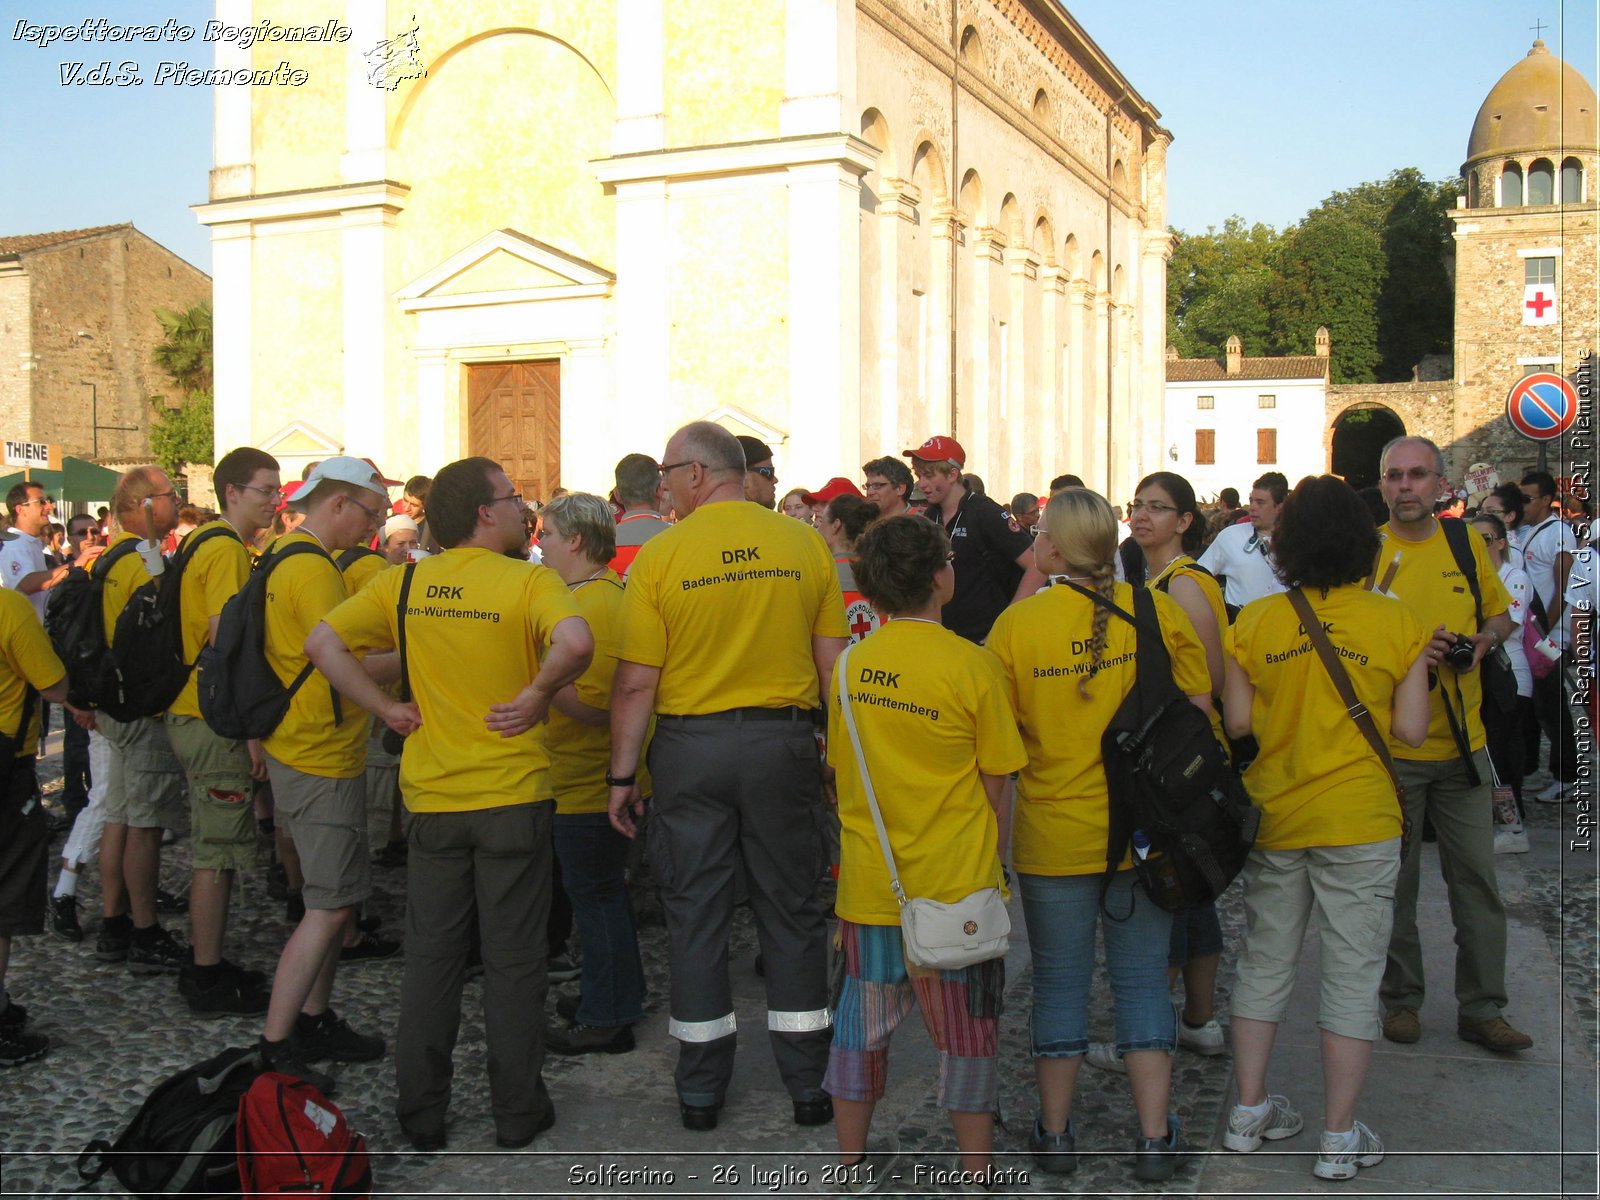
(712,446)
(1438,454)
(588,518)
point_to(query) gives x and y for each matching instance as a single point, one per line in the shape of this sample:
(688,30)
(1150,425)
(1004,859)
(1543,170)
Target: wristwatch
(620,780)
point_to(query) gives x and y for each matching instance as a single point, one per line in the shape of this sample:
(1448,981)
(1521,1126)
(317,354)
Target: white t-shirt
(21,556)
(1245,563)
(1516,581)
(1540,546)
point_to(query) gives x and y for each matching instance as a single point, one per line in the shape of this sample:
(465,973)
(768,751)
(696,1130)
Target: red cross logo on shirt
(1538,303)
(861,626)
(861,618)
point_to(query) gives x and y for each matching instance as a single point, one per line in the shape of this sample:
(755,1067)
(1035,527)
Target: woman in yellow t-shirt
(1168,526)
(939,739)
(1330,822)
(1070,664)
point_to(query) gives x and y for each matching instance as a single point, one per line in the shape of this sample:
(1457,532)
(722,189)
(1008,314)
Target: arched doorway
(1359,436)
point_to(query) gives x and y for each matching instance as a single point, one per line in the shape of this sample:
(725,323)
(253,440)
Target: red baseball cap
(938,449)
(289,492)
(832,490)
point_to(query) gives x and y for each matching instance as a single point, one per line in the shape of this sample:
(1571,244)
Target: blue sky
(1273,104)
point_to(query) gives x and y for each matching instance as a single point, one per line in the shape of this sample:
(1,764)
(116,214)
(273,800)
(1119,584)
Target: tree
(1217,287)
(1330,271)
(183,434)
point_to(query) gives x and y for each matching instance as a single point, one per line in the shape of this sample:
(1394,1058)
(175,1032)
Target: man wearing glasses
(888,485)
(1241,555)
(1447,777)
(22,562)
(761,477)
(219,770)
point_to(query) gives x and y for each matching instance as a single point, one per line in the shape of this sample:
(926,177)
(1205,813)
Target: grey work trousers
(729,790)
(495,862)
(1463,819)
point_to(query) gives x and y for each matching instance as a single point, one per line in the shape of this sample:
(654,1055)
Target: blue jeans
(1062,911)
(593,855)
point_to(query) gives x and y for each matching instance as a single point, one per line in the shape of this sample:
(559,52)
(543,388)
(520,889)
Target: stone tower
(1525,255)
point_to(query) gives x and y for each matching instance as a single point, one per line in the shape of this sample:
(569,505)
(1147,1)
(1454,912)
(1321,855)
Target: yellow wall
(298,133)
(724,70)
(297,367)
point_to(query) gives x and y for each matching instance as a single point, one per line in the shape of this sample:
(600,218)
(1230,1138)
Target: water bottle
(1158,874)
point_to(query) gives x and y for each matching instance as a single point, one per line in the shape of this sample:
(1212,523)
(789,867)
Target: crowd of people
(527,691)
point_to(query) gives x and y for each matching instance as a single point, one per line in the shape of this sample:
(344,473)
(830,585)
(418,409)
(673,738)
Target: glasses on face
(1492,512)
(1415,475)
(162,495)
(376,517)
(41,501)
(874,485)
(1154,507)
(770,474)
(516,496)
(274,493)
(669,468)
(1531,497)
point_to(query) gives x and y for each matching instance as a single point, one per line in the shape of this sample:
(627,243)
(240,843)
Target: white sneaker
(1510,839)
(1556,793)
(1105,1056)
(1342,1153)
(1204,1039)
(1247,1129)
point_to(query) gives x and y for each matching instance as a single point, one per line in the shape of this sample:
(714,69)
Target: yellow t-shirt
(26,656)
(1317,780)
(125,577)
(580,755)
(363,570)
(932,711)
(1212,591)
(302,590)
(1430,584)
(210,579)
(726,603)
(477,624)
(1060,825)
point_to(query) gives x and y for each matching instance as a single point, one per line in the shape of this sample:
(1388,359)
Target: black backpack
(240,694)
(349,558)
(182,1141)
(1136,570)
(78,632)
(1170,780)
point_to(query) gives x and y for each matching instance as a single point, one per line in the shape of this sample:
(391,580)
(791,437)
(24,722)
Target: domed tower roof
(1540,104)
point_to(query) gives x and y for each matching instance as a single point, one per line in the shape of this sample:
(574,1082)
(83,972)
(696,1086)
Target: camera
(1460,653)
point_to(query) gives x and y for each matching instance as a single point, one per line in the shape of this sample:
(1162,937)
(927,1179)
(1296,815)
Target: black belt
(737,715)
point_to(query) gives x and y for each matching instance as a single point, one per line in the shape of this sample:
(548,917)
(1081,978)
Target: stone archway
(1359,436)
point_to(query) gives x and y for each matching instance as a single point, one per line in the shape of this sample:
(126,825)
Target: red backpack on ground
(293,1140)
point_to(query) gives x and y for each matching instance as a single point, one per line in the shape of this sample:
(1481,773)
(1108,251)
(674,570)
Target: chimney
(1235,355)
(1323,344)
(1172,353)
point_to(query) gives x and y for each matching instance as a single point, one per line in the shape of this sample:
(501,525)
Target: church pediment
(506,263)
(299,440)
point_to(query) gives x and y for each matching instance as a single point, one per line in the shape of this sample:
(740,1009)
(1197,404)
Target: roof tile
(23,242)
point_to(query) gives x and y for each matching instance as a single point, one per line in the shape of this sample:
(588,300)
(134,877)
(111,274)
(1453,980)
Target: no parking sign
(1542,406)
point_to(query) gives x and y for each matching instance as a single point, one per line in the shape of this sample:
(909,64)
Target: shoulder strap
(264,568)
(400,637)
(101,567)
(30,697)
(1347,692)
(1134,568)
(843,680)
(1455,533)
(192,544)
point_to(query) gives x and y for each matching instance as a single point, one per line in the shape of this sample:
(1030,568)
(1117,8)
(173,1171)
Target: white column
(1017,429)
(641,122)
(1103,420)
(944,241)
(232,252)
(1047,453)
(590,433)
(819,67)
(439,415)
(642,311)
(1085,446)
(232,146)
(824,319)
(1150,394)
(896,213)
(365,106)
(978,398)
(366,305)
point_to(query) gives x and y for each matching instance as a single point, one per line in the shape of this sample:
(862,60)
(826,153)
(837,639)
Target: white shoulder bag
(974,929)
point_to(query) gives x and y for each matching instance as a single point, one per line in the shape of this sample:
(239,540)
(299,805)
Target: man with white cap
(316,759)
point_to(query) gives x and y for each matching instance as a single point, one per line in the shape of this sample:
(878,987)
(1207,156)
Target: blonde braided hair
(1084,530)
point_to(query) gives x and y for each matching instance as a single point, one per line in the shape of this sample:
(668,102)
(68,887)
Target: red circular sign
(1542,406)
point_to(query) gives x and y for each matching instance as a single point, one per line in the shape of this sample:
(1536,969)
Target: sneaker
(1204,1039)
(1496,1034)
(1402,1025)
(330,1036)
(562,969)
(1158,1159)
(1106,1056)
(162,954)
(232,993)
(172,906)
(112,944)
(1342,1153)
(1556,793)
(1510,839)
(1247,1130)
(1053,1153)
(13,1018)
(17,1047)
(64,918)
(588,1039)
(285,1058)
(567,1007)
(368,949)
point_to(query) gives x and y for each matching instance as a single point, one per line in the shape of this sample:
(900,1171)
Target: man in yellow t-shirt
(316,759)
(487,641)
(1447,778)
(732,622)
(26,661)
(219,770)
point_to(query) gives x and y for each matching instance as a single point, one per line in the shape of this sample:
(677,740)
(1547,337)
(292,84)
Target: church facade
(550,233)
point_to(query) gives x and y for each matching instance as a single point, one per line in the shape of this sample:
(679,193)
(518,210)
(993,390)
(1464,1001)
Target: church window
(1472,190)
(1539,270)
(1511,186)
(1205,401)
(1571,181)
(1266,446)
(1266,402)
(1541,182)
(1205,447)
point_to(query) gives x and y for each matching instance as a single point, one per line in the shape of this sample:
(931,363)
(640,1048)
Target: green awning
(78,480)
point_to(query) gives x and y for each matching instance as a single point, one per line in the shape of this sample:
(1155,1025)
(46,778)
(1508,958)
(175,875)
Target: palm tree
(184,352)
